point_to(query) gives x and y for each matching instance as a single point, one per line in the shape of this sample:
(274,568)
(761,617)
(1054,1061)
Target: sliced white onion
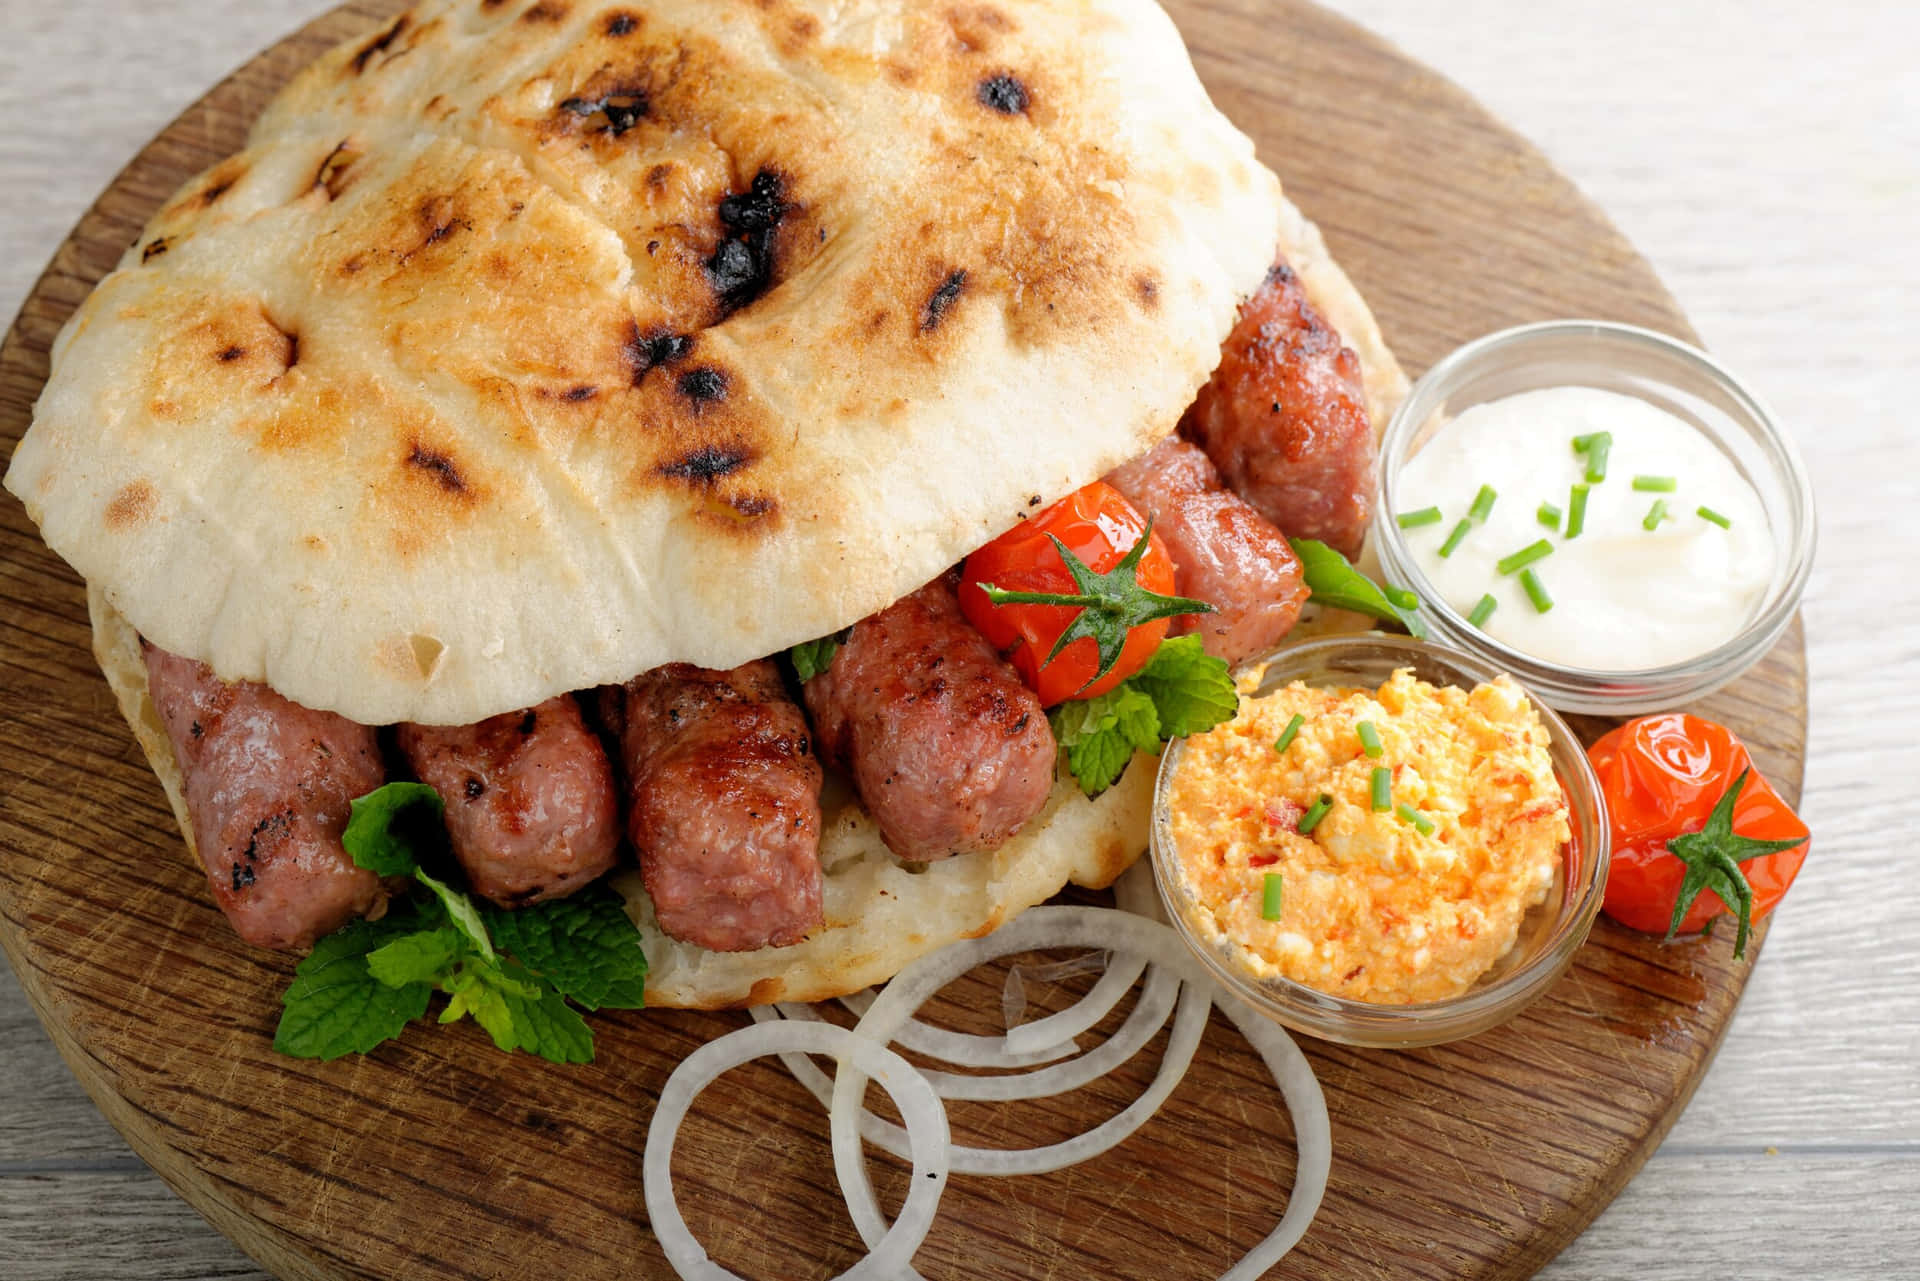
(1312,1134)
(1121,931)
(963,1049)
(1066,1026)
(891,1249)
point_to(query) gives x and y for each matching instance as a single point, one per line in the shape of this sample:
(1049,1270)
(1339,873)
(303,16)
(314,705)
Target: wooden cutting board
(437,1157)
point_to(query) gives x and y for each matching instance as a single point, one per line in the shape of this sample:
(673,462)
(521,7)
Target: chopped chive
(1525,556)
(1536,591)
(1581,444)
(1597,457)
(1369,738)
(1548,515)
(1655,514)
(1288,734)
(1655,484)
(1576,511)
(1708,513)
(1483,610)
(1270,897)
(1421,822)
(1315,812)
(1414,520)
(1482,504)
(1454,539)
(1401,596)
(1382,785)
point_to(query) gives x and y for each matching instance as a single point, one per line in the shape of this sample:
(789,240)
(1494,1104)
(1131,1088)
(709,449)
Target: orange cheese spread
(1372,908)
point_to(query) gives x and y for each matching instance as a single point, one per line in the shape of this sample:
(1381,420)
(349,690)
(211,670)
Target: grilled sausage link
(531,811)
(950,751)
(725,811)
(1224,552)
(1285,418)
(268,786)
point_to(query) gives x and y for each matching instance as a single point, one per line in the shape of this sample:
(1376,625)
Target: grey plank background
(1766,156)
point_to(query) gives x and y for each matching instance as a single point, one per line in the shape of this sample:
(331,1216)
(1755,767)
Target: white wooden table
(1766,156)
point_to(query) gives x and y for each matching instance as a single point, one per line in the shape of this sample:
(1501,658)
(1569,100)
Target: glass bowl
(1549,935)
(1668,374)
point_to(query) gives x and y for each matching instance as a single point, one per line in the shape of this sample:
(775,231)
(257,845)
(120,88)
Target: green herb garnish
(1576,511)
(1655,484)
(1182,690)
(512,972)
(1369,738)
(1455,538)
(1421,823)
(1414,520)
(1708,513)
(1270,889)
(1288,734)
(1380,787)
(1549,515)
(1525,556)
(1483,504)
(1483,610)
(1655,514)
(1333,581)
(1536,591)
(1315,812)
(813,657)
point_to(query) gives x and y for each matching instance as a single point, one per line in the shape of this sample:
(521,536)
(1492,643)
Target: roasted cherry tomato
(1663,777)
(1100,527)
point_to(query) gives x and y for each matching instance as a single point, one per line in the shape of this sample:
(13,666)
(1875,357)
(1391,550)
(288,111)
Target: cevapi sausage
(1224,552)
(950,751)
(1285,418)
(268,788)
(531,811)
(725,814)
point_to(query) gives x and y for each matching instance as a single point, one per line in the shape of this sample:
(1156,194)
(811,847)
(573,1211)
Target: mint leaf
(584,945)
(1100,735)
(545,1025)
(815,656)
(1190,688)
(377,833)
(461,911)
(425,957)
(1332,580)
(336,1007)
(472,991)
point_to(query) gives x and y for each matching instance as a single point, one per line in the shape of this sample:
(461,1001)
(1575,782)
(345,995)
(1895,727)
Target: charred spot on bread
(155,247)
(741,268)
(650,349)
(231,354)
(545,11)
(941,301)
(1003,92)
(583,392)
(438,465)
(622,24)
(378,45)
(703,385)
(707,464)
(623,106)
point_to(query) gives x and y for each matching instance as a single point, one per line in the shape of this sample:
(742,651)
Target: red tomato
(1098,526)
(1661,776)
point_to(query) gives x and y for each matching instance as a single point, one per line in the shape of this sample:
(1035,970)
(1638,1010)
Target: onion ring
(892,1250)
(962,1049)
(1063,1028)
(1079,926)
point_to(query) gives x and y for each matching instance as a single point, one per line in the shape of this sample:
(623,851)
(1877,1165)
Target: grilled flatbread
(446,394)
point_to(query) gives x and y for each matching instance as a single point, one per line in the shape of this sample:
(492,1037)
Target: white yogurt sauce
(1624,598)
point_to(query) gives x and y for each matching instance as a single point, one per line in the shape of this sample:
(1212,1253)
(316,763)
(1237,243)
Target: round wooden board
(437,1157)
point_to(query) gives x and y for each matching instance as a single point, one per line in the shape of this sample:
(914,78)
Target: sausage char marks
(531,811)
(1285,418)
(724,793)
(1224,552)
(950,751)
(268,786)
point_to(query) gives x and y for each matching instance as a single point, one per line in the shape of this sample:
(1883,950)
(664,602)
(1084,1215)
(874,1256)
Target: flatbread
(446,395)
(881,914)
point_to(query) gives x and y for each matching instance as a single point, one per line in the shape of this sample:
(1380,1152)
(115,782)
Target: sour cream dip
(1636,587)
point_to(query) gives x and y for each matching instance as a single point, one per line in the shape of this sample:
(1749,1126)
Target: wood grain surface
(1475,1160)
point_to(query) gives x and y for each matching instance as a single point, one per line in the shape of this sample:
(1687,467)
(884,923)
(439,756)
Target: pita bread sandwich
(584,408)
